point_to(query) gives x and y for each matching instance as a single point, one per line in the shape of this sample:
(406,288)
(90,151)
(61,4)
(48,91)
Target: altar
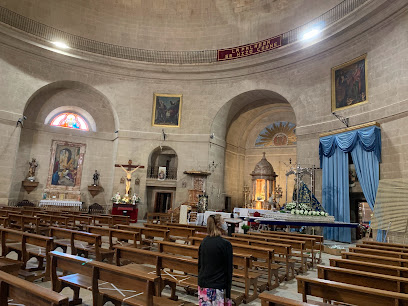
(61,205)
(202,217)
(126,210)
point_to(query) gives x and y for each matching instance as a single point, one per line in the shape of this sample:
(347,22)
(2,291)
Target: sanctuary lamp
(263,184)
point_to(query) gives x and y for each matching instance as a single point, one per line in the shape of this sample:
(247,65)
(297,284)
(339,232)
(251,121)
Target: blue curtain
(365,147)
(335,194)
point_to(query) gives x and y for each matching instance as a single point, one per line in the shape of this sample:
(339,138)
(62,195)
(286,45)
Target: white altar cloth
(61,204)
(244,212)
(202,217)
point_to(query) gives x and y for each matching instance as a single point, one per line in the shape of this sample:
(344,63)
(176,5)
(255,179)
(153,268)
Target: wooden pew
(381,247)
(158,217)
(297,245)
(366,279)
(24,223)
(80,222)
(119,235)
(4,221)
(378,252)
(242,261)
(80,243)
(267,265)
(148,233)
(108,282)
(198,228)
(395,245)
(27,246)
(318,243)
(283,250)
(175,232)
(51,220)
(375,259)
(164,265)
(99,220)
(346,293)
(369,267)
(125,220)
(20,292)
(269,299)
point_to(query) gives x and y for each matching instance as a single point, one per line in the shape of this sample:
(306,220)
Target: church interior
(125,125)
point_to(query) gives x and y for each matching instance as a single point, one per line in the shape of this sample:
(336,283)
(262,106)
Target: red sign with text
(250,49)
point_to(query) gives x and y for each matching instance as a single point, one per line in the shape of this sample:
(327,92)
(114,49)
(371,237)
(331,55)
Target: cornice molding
(361,20)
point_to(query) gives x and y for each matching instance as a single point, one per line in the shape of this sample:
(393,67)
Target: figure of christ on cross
(129,173)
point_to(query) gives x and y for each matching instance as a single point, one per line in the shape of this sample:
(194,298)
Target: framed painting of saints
(349,83)
(166,110)
(66,163)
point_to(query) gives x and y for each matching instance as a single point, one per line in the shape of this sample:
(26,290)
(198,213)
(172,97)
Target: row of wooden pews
(267,253)
(106,281)
(372,273)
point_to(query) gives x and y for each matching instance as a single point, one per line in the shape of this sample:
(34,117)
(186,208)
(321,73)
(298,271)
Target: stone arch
(163,156)
(236,126)
(42,103)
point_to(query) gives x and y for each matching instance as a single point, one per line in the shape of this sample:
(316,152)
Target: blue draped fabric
(335,194)
(368,172)
(365,147)
(369,138)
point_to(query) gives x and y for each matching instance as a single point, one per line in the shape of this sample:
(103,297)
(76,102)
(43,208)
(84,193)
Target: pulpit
(126,210)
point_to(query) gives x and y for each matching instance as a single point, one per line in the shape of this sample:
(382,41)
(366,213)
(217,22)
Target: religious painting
(66,165)
(277,134)
(349,83)
(166,110)
(162,174)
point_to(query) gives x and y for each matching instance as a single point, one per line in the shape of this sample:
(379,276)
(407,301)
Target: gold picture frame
(166,110)
(349,83)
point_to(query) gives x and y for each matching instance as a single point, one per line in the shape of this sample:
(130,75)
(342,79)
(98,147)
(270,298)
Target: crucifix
(129,173)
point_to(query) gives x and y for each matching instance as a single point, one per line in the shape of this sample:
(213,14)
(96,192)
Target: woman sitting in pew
(215,265)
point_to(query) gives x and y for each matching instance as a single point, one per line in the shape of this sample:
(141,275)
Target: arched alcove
(163,157)
(239,123)
(42,141)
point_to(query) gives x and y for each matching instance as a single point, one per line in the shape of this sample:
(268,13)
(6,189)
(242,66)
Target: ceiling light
(311,34)
(60,44)
(313,30)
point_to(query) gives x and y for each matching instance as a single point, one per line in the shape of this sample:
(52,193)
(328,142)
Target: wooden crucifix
(129,173)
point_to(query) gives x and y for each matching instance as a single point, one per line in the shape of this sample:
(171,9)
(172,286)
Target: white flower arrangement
(309,213)
(290,206)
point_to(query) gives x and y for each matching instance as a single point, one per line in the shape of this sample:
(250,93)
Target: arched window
(70,121)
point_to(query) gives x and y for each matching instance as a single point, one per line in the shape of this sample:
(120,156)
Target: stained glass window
(70,121)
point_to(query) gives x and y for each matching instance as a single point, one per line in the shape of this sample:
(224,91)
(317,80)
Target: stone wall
(298,77)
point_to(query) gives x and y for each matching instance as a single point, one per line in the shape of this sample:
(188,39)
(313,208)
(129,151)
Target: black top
(215,264)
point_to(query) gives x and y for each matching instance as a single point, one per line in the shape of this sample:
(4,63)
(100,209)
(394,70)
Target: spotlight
(60,44)
(312,31)
(20,121)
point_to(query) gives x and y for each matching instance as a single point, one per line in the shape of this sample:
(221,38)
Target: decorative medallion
(277,134)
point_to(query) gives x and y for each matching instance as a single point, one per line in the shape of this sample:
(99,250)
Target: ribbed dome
(263,168)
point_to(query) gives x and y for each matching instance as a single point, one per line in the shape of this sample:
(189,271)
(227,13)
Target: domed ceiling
(172,24)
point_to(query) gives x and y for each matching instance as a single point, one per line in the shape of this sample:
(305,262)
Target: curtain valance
(369,138)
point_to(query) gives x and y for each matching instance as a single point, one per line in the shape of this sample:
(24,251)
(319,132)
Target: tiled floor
(286,289)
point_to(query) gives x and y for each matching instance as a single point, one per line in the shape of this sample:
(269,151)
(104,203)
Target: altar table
(60,204)
(202,217)
(126,210)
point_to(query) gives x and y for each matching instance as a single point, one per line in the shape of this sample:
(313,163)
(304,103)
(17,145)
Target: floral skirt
(212,297)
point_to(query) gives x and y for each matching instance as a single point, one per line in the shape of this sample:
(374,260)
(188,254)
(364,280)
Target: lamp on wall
(212,166)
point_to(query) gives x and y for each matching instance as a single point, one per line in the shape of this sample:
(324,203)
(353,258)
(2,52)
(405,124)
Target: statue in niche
(96,178)
(31,171)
